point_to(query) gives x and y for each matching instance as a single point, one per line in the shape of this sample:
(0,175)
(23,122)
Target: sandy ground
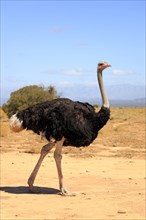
(108,177)
(106,188)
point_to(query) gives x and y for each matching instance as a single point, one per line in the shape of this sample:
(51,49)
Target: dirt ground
(108,177)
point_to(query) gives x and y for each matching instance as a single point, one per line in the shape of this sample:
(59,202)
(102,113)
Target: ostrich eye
(100,64)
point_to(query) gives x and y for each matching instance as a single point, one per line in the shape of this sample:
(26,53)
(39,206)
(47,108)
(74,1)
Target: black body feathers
(77,122)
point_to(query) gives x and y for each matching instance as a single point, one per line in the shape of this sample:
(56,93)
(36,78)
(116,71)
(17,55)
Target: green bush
(27,96)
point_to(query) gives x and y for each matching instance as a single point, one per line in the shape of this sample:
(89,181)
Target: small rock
(114,145)
(121,212)
(88,198)
(83,193)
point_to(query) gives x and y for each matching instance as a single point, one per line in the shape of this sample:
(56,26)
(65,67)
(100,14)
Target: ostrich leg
(45,150)
(58,157)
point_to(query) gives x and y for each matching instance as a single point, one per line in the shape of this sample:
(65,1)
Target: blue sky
(61,42)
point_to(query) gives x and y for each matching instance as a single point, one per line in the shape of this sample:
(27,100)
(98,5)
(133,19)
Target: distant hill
(129,103)
(120,103)
(119,95)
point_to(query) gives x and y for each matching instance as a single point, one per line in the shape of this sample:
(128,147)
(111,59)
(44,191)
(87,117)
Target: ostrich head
(103,65)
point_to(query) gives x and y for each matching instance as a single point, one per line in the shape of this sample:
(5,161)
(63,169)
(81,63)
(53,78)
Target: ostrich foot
(33,189)
(30,185)
(65,192)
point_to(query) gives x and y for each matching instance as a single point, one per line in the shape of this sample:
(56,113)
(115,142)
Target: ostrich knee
(46,148)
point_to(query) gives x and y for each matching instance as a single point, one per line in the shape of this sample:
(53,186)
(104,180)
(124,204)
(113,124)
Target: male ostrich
(63,122)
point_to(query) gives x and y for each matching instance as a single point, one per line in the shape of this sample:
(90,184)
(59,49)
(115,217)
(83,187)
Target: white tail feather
(15,124)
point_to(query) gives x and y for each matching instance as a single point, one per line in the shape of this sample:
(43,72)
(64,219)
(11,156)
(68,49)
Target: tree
(27,96)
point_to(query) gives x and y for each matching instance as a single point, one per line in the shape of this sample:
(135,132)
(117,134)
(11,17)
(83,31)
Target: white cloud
(73,72)
(122,72)
(65,84)
(77,71)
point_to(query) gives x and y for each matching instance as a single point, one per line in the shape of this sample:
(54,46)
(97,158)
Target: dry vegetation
(123,136)
(108,177)
(4,130)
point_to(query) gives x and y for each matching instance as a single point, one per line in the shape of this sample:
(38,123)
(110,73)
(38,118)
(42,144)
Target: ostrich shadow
(25,190)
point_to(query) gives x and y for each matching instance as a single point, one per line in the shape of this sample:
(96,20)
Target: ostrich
(63,122)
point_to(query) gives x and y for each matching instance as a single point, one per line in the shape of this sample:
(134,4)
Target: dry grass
(125,133)
(4,127)
(123,136)
(3,115)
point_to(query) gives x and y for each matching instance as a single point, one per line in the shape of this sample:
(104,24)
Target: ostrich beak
(108,65)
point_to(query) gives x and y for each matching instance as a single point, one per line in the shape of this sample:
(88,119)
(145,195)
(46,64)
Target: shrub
(27,96)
